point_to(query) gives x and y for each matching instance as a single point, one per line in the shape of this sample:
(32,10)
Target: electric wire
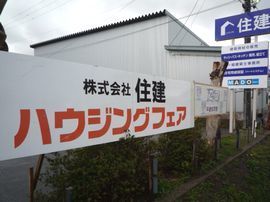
(241,1)
(29,11)
(42,14)
(54,29)
(126,5)
(24,11)
(120,9)
(194,19)
(137,31)
(179,32)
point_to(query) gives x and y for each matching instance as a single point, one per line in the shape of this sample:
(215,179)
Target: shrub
(176,151)
(110,172)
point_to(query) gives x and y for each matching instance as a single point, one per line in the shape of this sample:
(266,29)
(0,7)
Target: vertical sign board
(248,65)
(210,100)
(50,105)
(243,25)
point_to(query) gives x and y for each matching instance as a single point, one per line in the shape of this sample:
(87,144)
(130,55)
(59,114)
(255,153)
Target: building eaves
(185,27)
(102,28)
(213,49)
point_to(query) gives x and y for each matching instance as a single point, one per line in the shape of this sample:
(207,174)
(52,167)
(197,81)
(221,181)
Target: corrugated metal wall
(190,67)
(141,51)
(130,49)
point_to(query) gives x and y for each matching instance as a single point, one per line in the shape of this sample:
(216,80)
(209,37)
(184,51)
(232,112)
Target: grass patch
(228,147)
(168,185)
(228,191)
(245,179)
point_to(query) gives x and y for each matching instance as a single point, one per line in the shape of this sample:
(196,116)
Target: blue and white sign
(243,25)
(248,65)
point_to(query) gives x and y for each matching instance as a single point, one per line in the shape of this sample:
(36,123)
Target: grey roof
(214,49)
(102,28)
(115,25)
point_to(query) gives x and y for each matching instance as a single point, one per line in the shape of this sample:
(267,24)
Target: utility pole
(247,92)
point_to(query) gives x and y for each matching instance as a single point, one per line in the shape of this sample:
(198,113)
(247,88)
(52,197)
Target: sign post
(255,93)
(231,96)
(245,25)
(247,69)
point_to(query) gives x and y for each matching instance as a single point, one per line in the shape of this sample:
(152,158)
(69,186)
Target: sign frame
(248,24)
(248,65)
(211,103)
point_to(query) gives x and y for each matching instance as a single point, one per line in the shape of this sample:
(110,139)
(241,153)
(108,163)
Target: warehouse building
(157,44)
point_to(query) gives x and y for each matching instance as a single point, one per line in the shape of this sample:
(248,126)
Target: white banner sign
(210,100)
(50,105)
(248,65)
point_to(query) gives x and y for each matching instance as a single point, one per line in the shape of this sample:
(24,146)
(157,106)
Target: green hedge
(119,171)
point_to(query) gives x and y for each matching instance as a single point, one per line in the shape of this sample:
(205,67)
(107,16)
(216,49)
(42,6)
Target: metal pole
(155,175)
(254,108)
(150,182)
(231,91)
(194,161)
(247,92)
(69,194)
(215,149)
(31,184)
(255,91)
(237,138)
(231,101)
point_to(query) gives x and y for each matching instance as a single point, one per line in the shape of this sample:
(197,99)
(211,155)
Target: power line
(54,29)
(120,9)
(209,9)
(42,14)
(241,1)
(141,30)
(126,5)
(46,12)
(192,22)
(177,34)
(30,10)
(24,11)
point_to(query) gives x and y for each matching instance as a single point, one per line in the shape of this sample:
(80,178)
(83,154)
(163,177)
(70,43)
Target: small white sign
(210,100)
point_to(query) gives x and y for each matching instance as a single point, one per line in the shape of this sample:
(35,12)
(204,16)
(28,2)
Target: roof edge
(215,49)
(103,28)
(185,27)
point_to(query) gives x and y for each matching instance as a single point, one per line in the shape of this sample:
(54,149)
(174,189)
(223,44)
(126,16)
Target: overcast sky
(31,21)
